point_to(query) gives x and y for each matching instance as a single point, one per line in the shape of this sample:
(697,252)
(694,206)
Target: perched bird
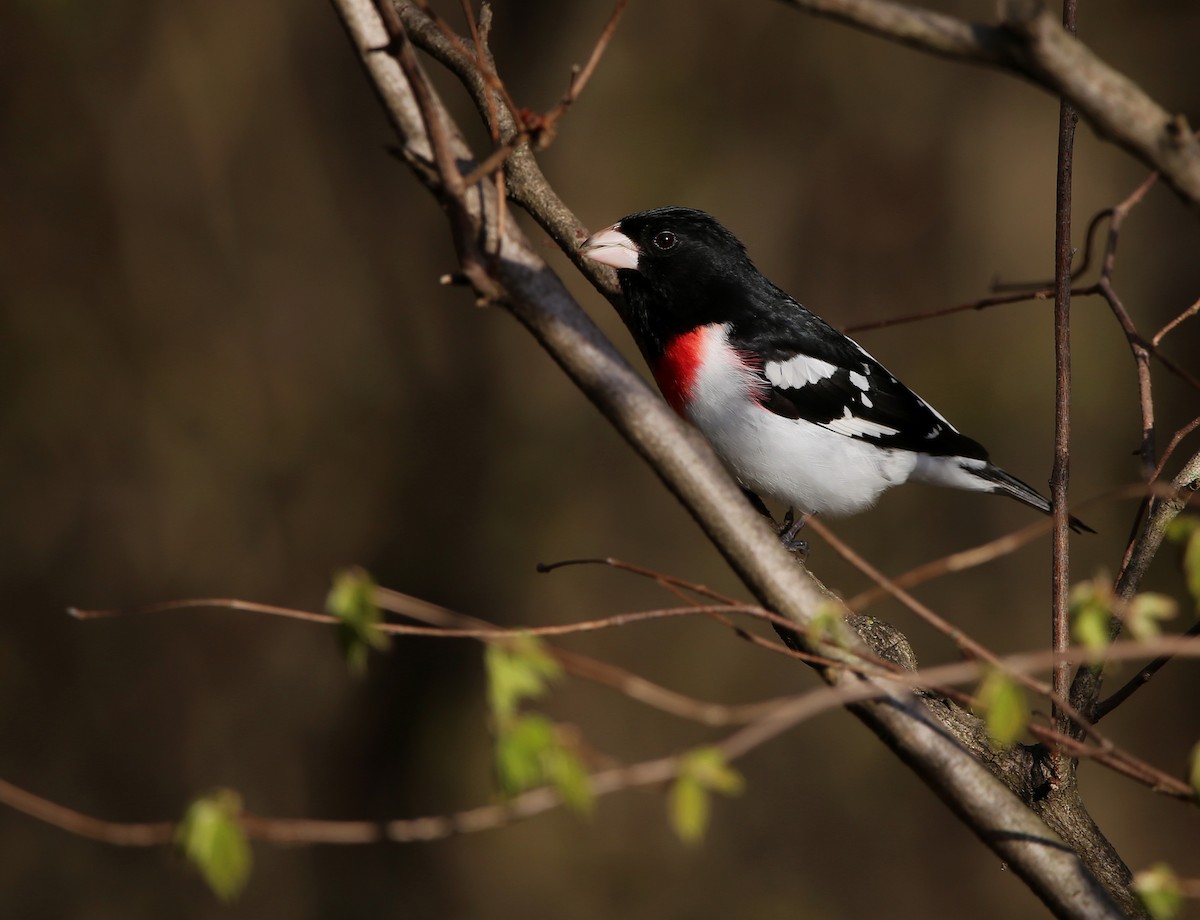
(796,410)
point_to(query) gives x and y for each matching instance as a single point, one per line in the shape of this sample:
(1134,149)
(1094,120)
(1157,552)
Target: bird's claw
(789,534)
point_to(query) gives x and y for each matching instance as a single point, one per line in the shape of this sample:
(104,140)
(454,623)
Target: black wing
(811,371)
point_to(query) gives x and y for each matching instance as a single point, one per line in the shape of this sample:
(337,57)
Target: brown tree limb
(1031,43)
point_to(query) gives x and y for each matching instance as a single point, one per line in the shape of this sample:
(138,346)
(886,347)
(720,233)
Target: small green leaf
(1001,703)
(1194,772)
(1146,611)
(710,768)
(530,751)
(570,777)
(1185,529)
(517,670)
(212,840)
(1158,889)
(828,625)
(689,809)
(702,772)
(1090,606)
(520,746)
(352,601)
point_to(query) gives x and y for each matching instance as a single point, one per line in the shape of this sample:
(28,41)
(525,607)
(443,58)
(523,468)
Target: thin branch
(533,127)
(580,77)
(155,833)
(1139,348)
(401,629)
(1060,536)
(1004,293)
(982,303)
(664,579)
(1173,443)
(630,685)
(1186,314)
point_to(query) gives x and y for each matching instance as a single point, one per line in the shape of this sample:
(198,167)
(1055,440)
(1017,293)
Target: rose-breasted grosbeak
(796,410)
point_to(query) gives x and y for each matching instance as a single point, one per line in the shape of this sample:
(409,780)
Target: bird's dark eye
(664,241)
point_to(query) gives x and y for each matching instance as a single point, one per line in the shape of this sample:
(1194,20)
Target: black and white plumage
(796,410)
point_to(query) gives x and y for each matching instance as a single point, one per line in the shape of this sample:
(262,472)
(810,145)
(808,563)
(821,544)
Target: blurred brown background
(227,369)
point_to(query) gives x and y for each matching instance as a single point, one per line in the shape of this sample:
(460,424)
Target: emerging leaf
(352,601)
(1091,605)
(710,768)
(1001,703)
(702,772)
(1185,529)
(517,670)
(1146,611)
(1159,891)
(212,840)
(570,777)
(530,752)
(521,744)
(689,809)
(827,625)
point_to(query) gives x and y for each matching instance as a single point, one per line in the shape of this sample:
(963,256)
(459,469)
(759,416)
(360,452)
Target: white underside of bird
(810,467)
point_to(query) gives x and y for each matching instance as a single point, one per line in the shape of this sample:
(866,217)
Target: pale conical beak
(611,247)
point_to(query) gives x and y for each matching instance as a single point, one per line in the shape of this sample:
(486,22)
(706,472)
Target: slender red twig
(1060,633)
(401,629)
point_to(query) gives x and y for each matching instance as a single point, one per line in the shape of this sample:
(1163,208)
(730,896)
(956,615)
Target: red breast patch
(677,368)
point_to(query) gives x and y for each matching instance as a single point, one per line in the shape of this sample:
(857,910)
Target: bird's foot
(789,534)
(788,530)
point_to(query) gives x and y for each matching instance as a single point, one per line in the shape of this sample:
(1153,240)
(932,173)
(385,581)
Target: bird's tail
(1007,484)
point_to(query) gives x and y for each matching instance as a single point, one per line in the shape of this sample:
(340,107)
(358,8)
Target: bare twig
(1060,632)
(534,128)
(1186,314)
(632,686)
(672,582)
(1004,293)
(401,629)
(155,833)
(1173,443)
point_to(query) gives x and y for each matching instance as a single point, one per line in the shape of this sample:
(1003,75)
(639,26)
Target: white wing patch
(797,372)
(860,381)
(859,427)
